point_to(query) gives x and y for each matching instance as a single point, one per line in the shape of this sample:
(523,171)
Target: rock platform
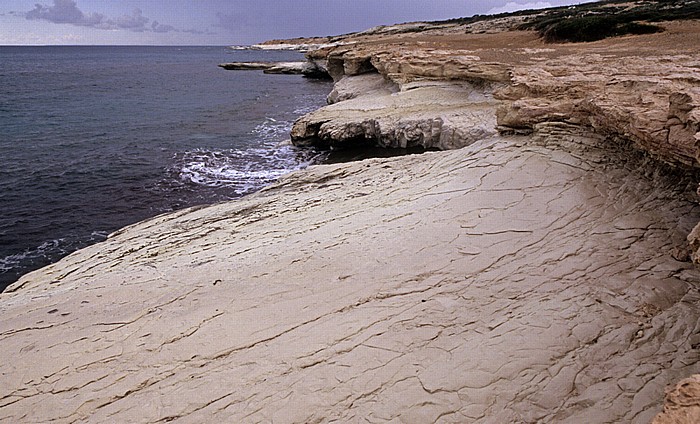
(507,281)
(540,273)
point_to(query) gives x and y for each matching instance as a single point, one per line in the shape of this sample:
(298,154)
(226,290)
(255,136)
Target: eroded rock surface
(643,89)
(538,278)
(441,115)
(682,403)
(515,280)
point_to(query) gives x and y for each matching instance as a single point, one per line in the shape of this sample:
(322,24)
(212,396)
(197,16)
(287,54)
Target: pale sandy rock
(694,241)
(442,115)
(408,65)
(643,89)
(515,280)
(348,62)
(350,87)
(682,403)
(649,100)
(520,279)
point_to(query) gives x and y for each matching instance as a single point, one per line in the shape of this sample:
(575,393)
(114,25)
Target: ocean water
(96,138)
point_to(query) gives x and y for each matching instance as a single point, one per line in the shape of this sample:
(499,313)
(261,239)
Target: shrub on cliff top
(593,28)
(596,21)
(587,28)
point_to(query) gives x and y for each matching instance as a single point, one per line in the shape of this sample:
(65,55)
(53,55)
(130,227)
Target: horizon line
(123,45)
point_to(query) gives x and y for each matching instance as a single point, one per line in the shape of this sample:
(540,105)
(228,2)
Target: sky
(222,22)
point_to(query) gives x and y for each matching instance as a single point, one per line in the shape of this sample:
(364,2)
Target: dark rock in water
(247,66)
(308,69)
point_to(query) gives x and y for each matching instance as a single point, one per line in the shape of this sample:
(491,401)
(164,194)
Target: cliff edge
(449,85)
(537,269)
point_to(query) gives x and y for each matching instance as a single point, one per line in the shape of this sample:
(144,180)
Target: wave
(246,170)
(48,251)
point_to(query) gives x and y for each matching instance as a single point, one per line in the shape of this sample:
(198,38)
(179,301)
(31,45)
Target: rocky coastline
(537,264)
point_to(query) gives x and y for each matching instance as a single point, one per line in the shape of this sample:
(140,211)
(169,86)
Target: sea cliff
(535,269)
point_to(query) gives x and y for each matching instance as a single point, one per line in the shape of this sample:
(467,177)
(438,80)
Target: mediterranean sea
(96,138)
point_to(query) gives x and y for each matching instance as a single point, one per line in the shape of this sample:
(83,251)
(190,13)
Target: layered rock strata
(643,89)
(442,115)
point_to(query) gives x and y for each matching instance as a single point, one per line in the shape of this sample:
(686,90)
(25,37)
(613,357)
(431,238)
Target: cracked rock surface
(520,279)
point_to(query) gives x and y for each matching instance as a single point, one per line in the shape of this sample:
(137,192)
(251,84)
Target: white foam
(272,130)
(242,171)
(246,170)
(45,249)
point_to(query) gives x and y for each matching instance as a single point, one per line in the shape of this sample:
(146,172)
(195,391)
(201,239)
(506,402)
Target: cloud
(67,12)
(158,27)
(230,22)
(514,7)
(64,12)
(196,31)
(134,22)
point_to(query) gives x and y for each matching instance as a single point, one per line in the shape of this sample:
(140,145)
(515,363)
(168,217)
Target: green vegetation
(599,20)
(592,28)
(596,21)
(584,22)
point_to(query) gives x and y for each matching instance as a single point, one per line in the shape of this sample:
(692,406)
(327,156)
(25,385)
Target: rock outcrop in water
(307,69)
(539,274)
(443,115)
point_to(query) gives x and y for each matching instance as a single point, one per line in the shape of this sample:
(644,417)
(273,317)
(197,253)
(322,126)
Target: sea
(95,138)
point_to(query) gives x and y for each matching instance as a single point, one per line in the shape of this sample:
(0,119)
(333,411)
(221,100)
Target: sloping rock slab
(506,282)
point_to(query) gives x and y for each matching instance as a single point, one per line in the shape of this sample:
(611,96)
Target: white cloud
(67,12)
(514,7)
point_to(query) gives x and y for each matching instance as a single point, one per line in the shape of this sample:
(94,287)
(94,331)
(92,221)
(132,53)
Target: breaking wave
(247,170)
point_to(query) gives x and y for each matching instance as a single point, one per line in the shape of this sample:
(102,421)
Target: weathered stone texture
(682,403)
(509,281)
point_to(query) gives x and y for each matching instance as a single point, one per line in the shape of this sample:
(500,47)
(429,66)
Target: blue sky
(221,22)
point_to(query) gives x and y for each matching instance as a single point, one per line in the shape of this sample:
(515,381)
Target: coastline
(539,273)
(428,278)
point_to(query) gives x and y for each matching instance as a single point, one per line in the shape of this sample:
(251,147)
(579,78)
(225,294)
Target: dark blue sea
(96,138)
